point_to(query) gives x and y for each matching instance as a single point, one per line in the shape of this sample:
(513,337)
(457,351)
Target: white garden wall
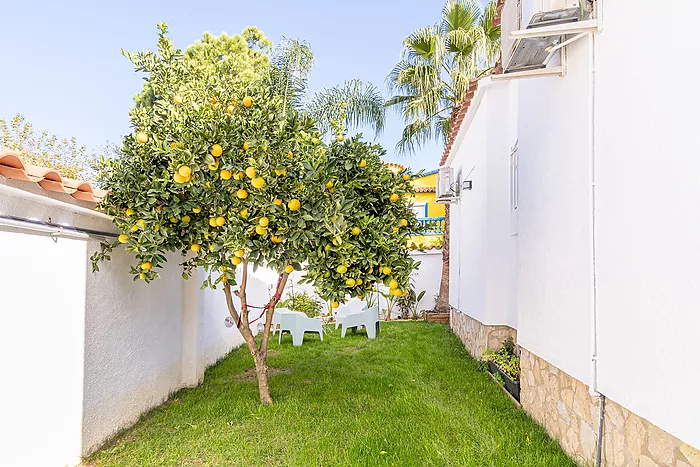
(88,353)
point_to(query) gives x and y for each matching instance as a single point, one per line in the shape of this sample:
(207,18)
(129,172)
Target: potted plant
(432,316)
(504,364)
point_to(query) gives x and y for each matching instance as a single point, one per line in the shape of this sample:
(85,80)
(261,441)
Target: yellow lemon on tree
(222,268)
(406,177)
(130,212)
(264,221)
(258,182)
(247,101)
(212,221)
(123,238)
(339,138)
(239,253)
(229,109)
(244,213)
(276,239)
(356,231)
(393,285)
(396,229)
(290,154)
(334,304)
(289,269)
(142,276)
(280,172)
(242,194)
(246,146)
(177,99)
(236,260)
(251,172)
(142,137)
(214,166)
(146,266)
(260,230)
(294,205)
(173,145)
(403,222)
(350,282)
(216,150)
(394,197)
(277,202)
(220,221)
(359,282)
(386,270)
(363,163)
(225,174)
(140,223)
(186,219)
(212,247)
(195,247)
(329,185)
(196,210)
(342,269)
(179,178)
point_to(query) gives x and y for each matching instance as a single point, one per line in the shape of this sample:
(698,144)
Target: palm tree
(432,79)
(353,104)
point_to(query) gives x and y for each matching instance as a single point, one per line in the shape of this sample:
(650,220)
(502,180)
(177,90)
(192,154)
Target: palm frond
(353,104)
(460,15)
(292,62)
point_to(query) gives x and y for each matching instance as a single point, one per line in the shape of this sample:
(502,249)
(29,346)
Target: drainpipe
(593,386)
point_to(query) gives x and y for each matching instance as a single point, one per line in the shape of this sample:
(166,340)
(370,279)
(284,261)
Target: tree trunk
(259,353)
(443,301)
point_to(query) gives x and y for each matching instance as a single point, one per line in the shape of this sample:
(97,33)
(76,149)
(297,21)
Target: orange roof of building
(425,189)
(395,165)
(12,166)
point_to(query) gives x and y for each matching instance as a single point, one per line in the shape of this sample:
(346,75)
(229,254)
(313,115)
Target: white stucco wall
(554,239)
(647,223)
(482,249)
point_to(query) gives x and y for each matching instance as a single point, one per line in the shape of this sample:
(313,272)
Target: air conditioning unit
(448,187)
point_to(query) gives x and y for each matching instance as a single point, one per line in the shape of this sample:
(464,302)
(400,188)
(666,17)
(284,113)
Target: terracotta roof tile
(425,189)
(11,166)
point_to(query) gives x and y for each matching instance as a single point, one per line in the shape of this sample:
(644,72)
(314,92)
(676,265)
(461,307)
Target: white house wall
(647,222)
(483,252)
(554,236)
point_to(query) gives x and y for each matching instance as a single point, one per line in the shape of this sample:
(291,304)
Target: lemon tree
(218,169)
(366,231)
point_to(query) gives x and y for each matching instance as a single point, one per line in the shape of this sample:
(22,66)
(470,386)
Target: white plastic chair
(297,324)
(368,317)
(341,314)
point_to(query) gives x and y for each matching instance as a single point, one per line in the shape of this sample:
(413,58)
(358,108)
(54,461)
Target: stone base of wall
(563,405)
(477,336)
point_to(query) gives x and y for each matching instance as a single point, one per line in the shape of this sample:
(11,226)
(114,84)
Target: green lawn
(410,397)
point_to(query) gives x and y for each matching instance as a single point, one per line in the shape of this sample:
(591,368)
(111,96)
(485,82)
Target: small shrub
(505,359)
(302,301)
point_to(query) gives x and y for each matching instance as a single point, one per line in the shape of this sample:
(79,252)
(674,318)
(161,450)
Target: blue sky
(63,70)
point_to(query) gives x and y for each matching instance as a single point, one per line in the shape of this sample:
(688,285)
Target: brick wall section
(564,407)
(477,336)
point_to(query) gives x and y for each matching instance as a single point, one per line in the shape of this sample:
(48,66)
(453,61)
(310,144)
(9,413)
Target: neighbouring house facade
(84,354)
(430,214)
(578,235)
